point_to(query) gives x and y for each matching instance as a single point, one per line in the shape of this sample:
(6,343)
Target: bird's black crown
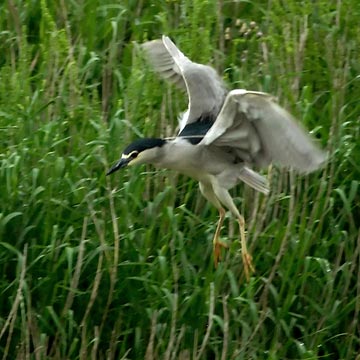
(143,144)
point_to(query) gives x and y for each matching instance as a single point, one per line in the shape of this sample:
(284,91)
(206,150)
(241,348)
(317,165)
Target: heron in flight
(223,136)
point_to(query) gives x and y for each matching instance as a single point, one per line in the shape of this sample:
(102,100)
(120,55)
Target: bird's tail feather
(255,180)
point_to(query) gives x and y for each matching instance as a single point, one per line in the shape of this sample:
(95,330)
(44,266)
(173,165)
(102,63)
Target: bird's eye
(134,154)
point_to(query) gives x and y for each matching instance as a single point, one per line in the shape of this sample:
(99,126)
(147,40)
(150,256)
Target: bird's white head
(141,151)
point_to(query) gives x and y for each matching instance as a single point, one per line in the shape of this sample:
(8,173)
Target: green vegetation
(121,267)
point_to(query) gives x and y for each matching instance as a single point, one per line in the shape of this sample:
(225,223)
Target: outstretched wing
(167,64)
(204,87)
(260,131)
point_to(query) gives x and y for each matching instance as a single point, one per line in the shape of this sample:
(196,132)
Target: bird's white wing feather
(205,88)
(168,64)
(261,132)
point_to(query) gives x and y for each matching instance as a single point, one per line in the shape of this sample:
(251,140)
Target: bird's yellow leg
(246,257)
(217,244)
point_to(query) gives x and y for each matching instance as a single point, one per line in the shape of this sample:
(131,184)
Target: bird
(223,135)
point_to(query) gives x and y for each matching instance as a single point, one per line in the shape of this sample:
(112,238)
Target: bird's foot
(217,251)
(247,262)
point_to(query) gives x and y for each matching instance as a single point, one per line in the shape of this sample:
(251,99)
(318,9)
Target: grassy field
(96,267)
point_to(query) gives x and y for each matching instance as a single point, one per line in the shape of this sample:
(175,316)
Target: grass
(121,267)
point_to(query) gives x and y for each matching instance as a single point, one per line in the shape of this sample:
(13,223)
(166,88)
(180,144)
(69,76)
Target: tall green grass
(121,267)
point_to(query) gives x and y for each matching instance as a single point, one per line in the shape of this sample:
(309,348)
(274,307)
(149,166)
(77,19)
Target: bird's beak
(120,164)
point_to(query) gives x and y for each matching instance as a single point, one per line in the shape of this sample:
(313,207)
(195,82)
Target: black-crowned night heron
(223,135)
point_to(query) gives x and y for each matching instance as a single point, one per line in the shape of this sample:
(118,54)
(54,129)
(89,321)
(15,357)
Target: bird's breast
(196,161)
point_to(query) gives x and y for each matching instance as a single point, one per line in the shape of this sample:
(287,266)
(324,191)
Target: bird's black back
(195,131)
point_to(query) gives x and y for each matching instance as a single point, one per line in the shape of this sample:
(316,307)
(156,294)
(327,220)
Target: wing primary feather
(205,88)
(167,64)
(286,142)
(256,125)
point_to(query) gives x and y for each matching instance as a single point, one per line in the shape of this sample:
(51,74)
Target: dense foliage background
(121,267)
